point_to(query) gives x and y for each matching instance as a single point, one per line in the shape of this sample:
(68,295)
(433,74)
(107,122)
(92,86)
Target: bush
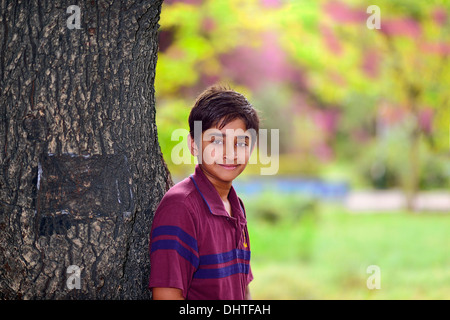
(278,208)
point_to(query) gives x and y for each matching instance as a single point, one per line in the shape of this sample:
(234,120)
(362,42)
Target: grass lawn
(325,254)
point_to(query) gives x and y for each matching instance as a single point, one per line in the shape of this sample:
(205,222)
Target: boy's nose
(229,154)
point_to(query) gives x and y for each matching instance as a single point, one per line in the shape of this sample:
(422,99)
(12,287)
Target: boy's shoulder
(179,195)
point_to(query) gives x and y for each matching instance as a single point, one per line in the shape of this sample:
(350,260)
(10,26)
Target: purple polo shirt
(196,246)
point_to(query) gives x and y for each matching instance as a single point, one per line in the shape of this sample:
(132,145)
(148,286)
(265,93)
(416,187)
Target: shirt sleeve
(174,253)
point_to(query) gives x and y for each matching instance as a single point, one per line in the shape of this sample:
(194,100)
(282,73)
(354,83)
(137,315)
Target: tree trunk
(81,168)
(412,183)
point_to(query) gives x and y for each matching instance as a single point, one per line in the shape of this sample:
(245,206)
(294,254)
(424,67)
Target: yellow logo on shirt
(245,239)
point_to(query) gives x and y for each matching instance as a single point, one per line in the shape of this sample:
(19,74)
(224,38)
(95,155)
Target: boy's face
(225,152)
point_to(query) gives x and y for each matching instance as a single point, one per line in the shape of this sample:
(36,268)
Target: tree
(81,168)
(399,70)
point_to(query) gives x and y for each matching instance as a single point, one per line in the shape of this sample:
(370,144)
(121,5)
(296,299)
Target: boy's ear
(192,145)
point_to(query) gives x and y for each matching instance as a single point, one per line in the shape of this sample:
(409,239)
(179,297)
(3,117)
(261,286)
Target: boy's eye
(241,142)
(217,141)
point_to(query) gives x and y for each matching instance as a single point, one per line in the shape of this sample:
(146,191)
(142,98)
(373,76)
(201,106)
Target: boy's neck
(222,187)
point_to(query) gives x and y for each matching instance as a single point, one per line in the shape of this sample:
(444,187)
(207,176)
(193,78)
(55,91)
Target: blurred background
(364,120)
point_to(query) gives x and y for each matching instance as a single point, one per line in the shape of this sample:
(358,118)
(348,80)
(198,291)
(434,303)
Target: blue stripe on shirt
(225,257)
(178,247)
(222,272)
(178,232)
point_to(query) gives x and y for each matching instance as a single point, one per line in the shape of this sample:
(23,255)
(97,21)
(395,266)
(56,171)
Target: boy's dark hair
(218,106)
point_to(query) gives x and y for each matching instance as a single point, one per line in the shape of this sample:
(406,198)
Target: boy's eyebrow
(220,134)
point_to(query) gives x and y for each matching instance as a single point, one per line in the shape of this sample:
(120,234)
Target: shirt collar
(212,198)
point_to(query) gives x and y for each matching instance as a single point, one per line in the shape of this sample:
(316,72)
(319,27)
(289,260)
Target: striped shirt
(196,246)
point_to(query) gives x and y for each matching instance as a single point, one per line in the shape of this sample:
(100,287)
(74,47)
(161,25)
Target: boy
(199,244)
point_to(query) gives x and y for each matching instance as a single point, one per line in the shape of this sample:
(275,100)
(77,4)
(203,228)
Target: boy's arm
(167,294)
(247,294)
(173,251)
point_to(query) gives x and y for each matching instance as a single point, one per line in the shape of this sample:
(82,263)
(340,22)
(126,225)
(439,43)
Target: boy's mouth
(229,166)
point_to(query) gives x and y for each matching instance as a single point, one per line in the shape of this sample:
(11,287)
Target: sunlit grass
(324,254)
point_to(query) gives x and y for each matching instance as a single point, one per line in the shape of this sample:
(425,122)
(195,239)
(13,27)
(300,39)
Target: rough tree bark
(81,168)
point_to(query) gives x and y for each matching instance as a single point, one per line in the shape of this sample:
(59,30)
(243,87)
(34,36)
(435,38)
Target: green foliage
(385,163)
(372,78)
(172,118)
(290,208)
